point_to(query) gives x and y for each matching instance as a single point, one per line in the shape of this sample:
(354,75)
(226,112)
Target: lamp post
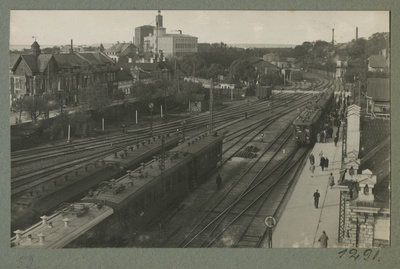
(183,123)
(151,106)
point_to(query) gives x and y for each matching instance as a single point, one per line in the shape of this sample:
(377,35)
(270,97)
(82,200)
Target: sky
(56,27)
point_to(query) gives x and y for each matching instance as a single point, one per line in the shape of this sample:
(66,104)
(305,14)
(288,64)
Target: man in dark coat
(323,240)
(322,162)
(316,198)
(312,159)
(218,180)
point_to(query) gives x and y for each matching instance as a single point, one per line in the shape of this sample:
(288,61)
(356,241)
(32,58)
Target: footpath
(301,224)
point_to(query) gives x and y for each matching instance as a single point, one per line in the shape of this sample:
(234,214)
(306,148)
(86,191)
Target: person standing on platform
(218,180)
(323,240)
(312,158)
(335,140)
(322,162)
(331,180)
(316,198)
(312,169)
(326,163)
(325,134)
(319,138)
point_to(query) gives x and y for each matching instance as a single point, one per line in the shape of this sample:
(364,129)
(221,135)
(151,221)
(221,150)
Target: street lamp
(151,106)
(183,123)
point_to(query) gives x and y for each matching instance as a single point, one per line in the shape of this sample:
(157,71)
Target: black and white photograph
(200,129)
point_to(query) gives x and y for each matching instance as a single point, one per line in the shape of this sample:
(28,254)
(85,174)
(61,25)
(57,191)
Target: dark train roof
(308,116)
(56,234)
(142,178)
(139,150)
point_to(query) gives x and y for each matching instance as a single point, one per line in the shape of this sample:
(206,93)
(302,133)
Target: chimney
(333,36)
(159,19)
(71,50)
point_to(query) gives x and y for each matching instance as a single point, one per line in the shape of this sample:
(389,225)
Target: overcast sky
(254,27)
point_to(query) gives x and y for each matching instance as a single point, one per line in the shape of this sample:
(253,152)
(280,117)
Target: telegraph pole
(162,177)
(211,107)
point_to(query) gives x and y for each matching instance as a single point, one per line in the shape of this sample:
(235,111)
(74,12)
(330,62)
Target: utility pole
(211,107)
(162,177)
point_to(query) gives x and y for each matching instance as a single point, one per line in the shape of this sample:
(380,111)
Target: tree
(35,106)
(95,98)
(299,52)
(242,70)
(18,106)
(376,43)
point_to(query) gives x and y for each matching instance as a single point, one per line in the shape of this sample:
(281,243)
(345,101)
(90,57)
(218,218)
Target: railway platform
(301,224)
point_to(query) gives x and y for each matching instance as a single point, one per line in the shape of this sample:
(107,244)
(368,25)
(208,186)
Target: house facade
(64,76)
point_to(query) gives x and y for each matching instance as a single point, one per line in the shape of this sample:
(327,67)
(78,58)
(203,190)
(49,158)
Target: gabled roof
(377,61)
(13,59)
(120,47)
(35,64)
(42,61)
(69,60)
(30,60)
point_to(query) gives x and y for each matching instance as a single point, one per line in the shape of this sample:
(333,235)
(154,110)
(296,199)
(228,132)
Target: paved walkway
(301,224)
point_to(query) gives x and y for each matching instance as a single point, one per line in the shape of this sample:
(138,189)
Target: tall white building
(169,45)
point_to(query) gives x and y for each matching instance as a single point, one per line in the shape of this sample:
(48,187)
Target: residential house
(377,63)
(122,50)
(378,96)
(33,74)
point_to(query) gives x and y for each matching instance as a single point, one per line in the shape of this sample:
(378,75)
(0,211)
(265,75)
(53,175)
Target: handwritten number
(354,254)
(367,254)
(376,255)
(342,252)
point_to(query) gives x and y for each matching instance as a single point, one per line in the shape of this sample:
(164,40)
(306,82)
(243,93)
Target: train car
(307,124)
(71,184)
(62,227)
(142,196)
(263,92)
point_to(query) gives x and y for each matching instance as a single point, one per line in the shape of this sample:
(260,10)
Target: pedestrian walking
(331,180)
(323,240)
(326,163)
(262,137)
(218,180)
(351,172)
(312,169)
(322,162)
(316,198)
(335,140)
(312,158)
(16,120)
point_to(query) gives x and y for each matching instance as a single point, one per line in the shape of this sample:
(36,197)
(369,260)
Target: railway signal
(270,222)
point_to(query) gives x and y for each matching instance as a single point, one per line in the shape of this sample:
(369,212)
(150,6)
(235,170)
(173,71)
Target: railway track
(51,172)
